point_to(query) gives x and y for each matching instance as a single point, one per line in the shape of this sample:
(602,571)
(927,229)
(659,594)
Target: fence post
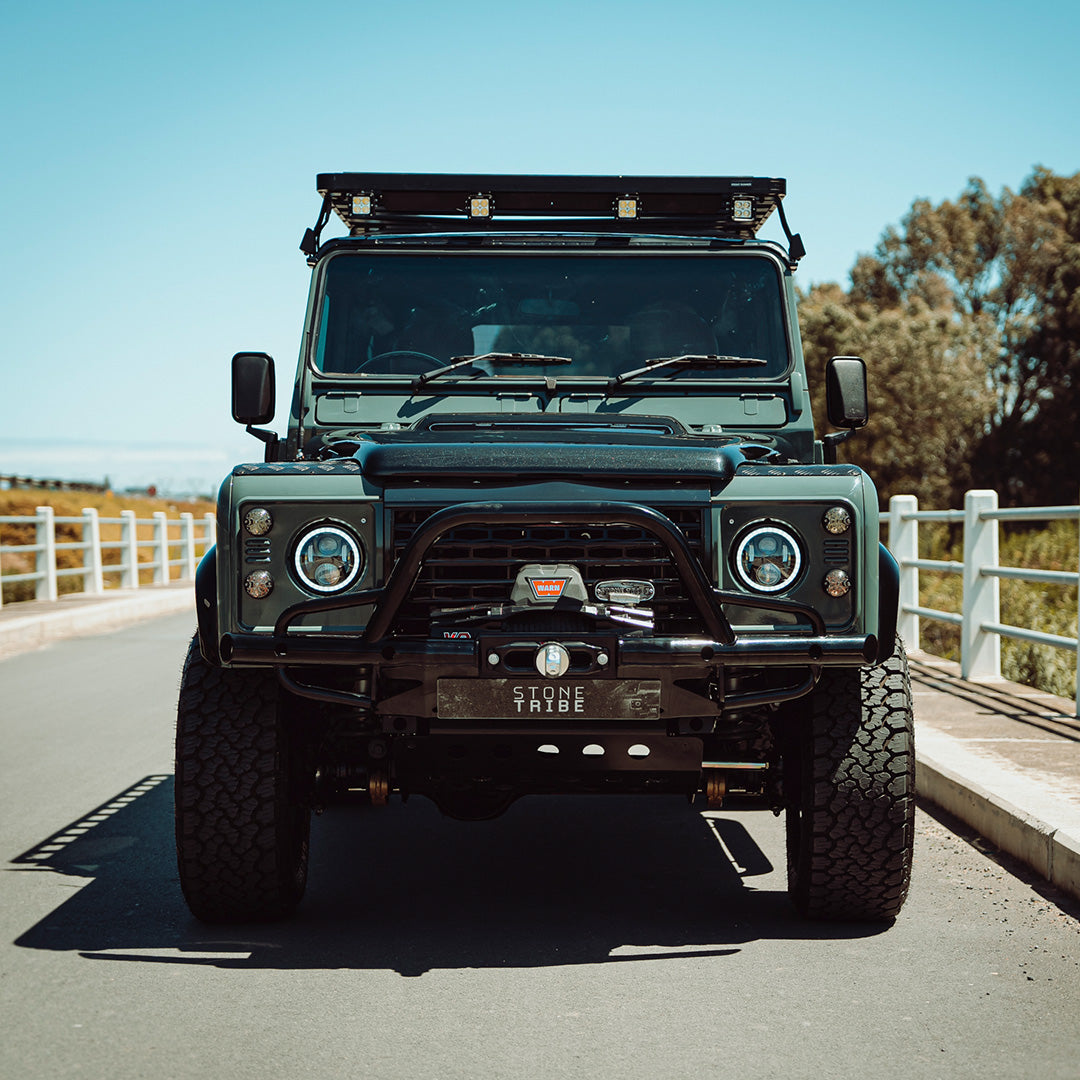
(129,550)
(903,542)
(187,535)
(980,652)
(93,575)
(45,586)
(161,548)
(211,531)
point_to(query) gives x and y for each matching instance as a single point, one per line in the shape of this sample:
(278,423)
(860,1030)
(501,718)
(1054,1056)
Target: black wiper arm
(688,360)
(491,358)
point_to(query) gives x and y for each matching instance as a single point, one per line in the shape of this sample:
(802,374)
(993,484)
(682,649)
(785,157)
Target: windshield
(409,314)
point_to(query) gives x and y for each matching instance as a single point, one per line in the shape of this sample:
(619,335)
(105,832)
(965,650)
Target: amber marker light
(837,583)
(258,521)
(836,520)
(258,584)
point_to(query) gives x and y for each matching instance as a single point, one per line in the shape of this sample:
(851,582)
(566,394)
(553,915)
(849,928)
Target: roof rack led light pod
(726,207)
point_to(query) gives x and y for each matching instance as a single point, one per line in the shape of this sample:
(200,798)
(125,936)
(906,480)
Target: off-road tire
(241,827)
(849,784)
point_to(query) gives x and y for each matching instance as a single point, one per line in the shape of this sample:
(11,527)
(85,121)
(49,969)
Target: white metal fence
(979,620)
(174,546)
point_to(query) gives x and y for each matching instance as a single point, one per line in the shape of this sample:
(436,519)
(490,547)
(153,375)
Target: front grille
(478,564)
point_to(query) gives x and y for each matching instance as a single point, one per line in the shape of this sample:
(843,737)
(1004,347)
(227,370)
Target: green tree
(929,395)
(1006,271)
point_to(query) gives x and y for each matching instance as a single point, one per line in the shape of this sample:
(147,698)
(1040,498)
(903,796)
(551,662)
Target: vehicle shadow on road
(572,880)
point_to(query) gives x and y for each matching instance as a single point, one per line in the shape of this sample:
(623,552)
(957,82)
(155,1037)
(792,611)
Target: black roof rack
(730,207)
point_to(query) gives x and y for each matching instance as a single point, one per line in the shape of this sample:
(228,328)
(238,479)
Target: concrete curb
(78,616)
(1049,851)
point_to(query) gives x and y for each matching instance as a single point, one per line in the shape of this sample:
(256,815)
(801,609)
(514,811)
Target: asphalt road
(600,938)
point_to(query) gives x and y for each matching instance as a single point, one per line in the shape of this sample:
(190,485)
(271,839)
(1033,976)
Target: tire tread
(241,840)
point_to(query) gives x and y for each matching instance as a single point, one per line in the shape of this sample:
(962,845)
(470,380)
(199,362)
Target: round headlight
(768,558)
(328,559)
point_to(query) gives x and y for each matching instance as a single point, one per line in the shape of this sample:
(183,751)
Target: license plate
(549,699)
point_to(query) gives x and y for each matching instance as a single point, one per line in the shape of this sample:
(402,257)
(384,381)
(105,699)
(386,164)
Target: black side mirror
(252,388)
(845,392)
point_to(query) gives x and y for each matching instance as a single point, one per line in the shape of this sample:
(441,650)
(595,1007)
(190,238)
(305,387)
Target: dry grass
(70,504)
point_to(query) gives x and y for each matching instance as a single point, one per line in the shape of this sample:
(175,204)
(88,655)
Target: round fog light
(837,583)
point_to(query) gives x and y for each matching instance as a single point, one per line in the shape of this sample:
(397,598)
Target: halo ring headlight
(328,559)
(768,558)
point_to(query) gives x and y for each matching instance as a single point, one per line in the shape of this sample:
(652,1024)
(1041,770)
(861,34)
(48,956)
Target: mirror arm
(269,437)
(829,443)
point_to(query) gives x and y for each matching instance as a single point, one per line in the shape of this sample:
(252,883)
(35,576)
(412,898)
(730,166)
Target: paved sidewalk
(32,624)
(1003,758)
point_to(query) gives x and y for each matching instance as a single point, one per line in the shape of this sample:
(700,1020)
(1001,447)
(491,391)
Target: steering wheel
(400,362)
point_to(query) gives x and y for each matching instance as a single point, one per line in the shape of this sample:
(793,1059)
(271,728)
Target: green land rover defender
(550,517)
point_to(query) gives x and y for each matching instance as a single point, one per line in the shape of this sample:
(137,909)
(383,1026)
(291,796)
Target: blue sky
(159,162)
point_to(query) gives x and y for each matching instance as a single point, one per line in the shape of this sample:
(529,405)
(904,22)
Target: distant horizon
(169,467)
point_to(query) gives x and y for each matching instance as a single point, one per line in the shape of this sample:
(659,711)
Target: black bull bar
(778,648)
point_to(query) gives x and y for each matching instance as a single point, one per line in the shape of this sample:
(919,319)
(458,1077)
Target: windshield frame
(661,382)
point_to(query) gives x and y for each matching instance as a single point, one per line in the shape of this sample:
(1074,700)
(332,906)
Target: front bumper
(806,646)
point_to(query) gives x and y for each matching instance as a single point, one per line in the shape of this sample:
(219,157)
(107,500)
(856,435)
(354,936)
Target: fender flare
(206,607)
(888,602)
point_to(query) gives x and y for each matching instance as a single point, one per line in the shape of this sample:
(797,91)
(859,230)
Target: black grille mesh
(478,564)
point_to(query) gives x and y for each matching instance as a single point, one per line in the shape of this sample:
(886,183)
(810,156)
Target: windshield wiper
(491,358)
(703,360)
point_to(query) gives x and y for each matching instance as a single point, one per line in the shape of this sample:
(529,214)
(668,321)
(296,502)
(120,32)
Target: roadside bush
(1051,609)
